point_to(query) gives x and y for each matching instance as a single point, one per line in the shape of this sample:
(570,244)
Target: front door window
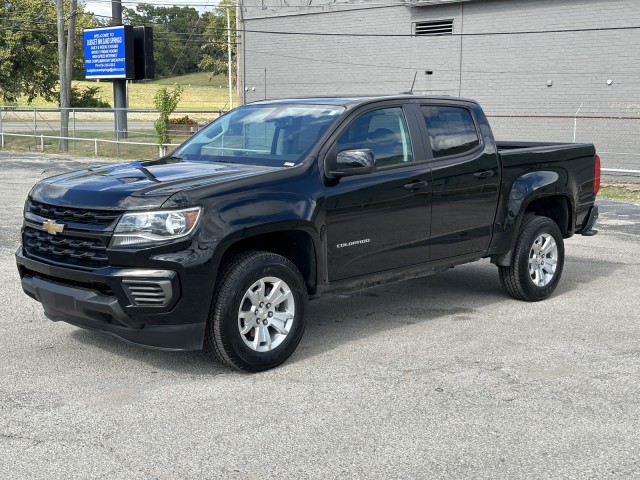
(382,131)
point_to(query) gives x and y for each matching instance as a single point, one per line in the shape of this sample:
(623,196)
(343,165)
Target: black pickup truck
(221,244)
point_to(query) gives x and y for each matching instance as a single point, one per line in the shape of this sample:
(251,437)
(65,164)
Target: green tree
(215,56)
(177,36)
(28,49)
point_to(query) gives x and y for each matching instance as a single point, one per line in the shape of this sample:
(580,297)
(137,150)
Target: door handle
(485,174)
(417,185)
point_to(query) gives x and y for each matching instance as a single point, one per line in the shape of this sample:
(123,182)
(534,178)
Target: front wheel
(258,313)
(537,262)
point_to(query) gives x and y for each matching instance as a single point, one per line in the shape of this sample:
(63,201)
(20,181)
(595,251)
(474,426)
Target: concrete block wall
(504,71)
(512,71)
(507,73)
(300,65)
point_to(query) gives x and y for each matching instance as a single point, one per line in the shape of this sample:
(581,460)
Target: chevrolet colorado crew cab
(220,245)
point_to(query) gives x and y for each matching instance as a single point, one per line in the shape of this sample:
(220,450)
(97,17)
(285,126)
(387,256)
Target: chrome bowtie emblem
(51,227)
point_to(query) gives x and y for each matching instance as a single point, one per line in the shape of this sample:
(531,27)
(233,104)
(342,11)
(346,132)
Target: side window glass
(451,130)
(382,131)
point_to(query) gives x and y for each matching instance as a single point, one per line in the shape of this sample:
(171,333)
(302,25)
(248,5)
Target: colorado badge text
(51,227)
(351,244)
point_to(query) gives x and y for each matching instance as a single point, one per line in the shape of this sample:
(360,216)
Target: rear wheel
(537,262)
(258,313)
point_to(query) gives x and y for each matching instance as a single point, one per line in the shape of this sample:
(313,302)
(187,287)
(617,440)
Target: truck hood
(138,184)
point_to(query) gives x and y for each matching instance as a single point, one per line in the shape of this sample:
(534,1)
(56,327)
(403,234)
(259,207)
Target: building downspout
(240,80)
(461,37)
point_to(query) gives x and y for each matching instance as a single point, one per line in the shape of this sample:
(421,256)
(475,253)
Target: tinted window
(275,135)
(451,130)
(384,132)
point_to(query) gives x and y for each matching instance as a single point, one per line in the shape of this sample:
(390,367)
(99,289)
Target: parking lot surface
(439,377)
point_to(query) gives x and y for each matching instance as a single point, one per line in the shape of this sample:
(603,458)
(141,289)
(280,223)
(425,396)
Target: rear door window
(452,130)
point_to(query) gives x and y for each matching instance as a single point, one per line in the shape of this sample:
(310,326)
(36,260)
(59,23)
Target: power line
(411,35)
(186,43)
(348,6)
(413,69)
(396,35)
(364,35)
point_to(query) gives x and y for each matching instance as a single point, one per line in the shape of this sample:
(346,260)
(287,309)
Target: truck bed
(519,153)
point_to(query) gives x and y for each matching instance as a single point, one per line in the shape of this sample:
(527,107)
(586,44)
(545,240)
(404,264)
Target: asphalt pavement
(439,377)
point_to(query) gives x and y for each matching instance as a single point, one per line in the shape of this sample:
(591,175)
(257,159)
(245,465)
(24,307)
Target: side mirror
(354,162)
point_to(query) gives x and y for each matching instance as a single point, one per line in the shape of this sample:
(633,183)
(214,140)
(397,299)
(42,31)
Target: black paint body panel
(342,232)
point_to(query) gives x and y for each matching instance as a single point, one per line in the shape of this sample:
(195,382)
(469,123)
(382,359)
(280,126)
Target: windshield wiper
(224,161)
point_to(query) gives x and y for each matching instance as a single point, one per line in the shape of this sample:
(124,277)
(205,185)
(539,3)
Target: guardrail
(162,148)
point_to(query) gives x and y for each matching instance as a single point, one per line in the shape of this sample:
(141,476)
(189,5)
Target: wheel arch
(555,207)
(296,244)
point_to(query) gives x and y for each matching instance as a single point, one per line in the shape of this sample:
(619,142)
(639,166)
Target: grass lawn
(624,192)
(87,148)
(200,94)
(201,79)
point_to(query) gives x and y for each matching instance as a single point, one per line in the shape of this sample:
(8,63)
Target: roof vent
(434,27)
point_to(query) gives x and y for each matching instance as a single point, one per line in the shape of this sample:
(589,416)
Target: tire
(258,312)
(537,262)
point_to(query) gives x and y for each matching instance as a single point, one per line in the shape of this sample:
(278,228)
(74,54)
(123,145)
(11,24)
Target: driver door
(381,220)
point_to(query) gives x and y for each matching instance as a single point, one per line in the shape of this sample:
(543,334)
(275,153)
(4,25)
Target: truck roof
(353,100)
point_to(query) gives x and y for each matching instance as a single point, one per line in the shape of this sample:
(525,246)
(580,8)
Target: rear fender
(526,190)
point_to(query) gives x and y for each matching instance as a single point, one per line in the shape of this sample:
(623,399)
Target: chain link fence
(616,134)
(617,139)
(93,132)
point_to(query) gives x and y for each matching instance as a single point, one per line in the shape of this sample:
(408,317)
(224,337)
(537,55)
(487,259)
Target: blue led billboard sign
(108,52)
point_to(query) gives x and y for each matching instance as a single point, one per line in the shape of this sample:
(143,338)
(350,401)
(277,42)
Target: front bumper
(117,301)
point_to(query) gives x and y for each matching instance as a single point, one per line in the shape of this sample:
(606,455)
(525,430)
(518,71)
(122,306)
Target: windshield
(269,135)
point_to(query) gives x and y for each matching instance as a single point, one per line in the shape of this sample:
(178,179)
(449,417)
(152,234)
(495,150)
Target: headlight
(152,227)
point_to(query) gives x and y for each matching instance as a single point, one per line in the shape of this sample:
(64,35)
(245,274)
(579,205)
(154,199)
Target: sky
(103,7)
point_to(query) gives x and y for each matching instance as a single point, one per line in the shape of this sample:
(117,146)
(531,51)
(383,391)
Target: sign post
(120,85)
(108,54)
(119,53)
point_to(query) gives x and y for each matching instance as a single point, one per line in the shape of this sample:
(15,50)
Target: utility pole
(71,33)
(64,98)
(119,85)
(228,9)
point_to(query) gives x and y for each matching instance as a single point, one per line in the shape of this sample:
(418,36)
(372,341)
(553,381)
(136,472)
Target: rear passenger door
(465,179)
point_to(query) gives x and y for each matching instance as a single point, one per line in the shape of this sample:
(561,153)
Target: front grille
(72,215)
(148,292)
(67,249)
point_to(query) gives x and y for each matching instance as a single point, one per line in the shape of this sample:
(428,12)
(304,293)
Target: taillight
(596,176)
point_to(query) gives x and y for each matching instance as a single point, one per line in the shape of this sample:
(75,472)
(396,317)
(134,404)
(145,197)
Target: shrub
(89,97)
(166,102)
(186,120)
